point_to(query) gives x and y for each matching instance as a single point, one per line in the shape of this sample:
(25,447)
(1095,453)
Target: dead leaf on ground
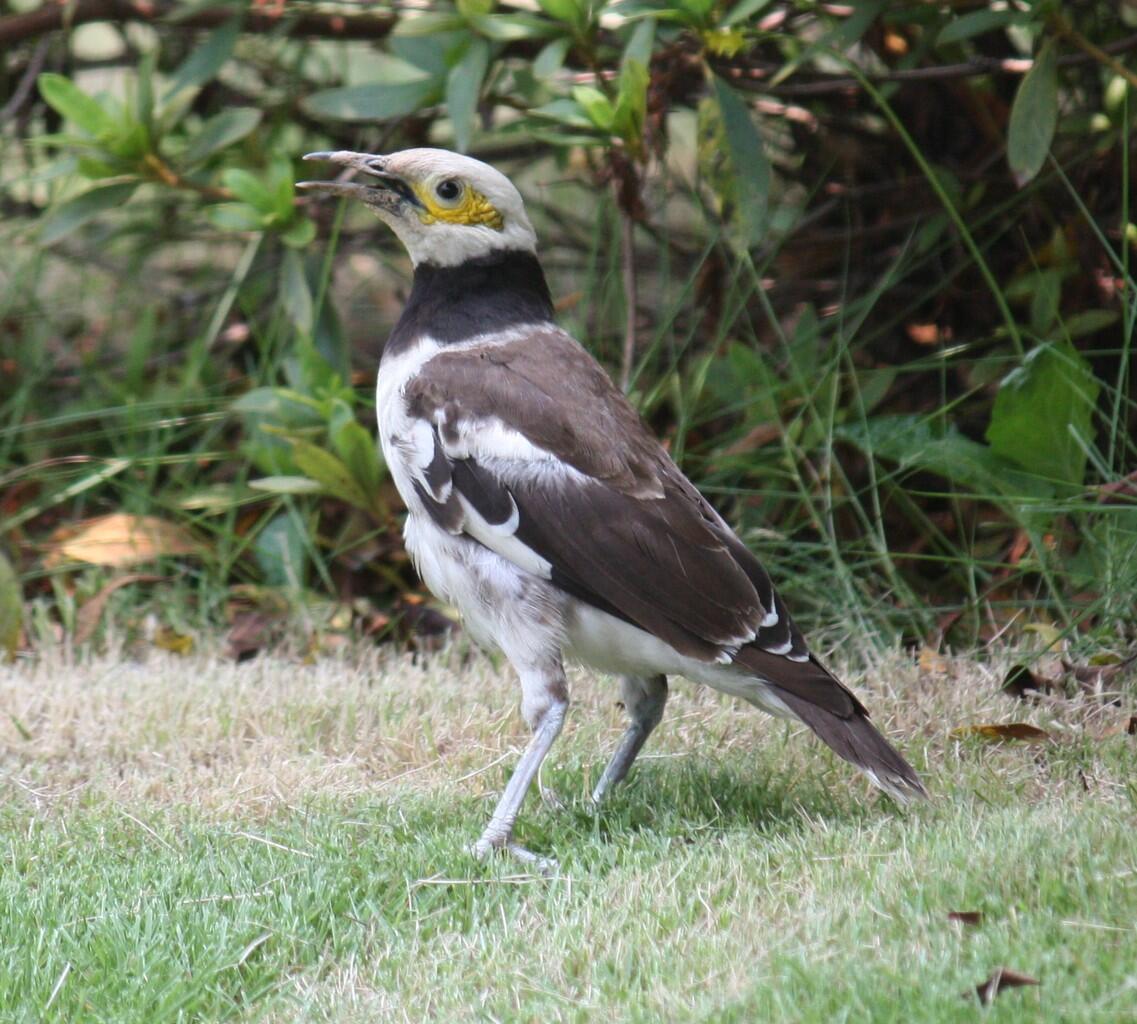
(1101,679)
(118,540)
(167,638)
(1023,680)
(927,333)
(89,616)
(1119,492)
(972,918)
(252,632)
(1001,978)
(932,662)
(1003,731)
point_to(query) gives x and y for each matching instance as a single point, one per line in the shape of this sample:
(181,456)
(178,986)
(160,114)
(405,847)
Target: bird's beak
(385,191)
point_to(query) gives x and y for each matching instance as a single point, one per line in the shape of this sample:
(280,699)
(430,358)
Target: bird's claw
(485,847)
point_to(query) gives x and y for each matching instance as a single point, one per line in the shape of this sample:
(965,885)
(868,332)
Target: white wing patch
(502,538)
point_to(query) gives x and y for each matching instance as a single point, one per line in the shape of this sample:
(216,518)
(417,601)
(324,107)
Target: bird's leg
(544,702)
(644,698)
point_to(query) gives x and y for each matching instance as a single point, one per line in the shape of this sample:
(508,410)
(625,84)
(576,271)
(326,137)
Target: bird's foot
(488,845)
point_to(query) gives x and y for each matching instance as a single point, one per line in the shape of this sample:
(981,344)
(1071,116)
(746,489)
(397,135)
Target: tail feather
(856,740)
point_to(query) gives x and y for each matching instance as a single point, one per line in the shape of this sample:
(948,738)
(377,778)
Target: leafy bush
(865,267)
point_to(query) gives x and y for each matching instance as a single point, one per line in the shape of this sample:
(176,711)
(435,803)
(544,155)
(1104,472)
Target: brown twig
(753,77)
(1092,50)
(27,82)
(15,28)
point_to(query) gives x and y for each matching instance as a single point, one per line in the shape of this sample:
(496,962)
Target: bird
(542,507)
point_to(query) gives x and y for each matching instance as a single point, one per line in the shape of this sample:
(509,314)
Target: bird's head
(446,208)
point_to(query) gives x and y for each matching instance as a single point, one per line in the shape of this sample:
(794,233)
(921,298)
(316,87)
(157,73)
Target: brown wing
(611,514)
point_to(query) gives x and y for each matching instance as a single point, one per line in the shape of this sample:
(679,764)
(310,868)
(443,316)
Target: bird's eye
(448,190)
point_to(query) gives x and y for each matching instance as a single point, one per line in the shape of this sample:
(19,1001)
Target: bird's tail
(856,740)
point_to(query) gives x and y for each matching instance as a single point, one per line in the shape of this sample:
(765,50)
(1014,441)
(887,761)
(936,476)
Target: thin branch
(27,81)
(1091,49)
(51,17)
(750,76)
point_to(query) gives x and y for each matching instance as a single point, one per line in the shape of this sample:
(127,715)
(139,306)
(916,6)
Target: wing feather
(547,463)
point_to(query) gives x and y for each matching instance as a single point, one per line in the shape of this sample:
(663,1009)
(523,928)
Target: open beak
(385,188)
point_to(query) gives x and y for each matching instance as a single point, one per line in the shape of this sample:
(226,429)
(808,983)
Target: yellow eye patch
(472,208)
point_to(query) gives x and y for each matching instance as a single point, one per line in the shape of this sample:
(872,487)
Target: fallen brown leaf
(1101,680)
(1004,731)
(1023,680)
(932,662)
(89,616)
(1001,978)
(974,918)
(252,631)
(118,540)
(927,333)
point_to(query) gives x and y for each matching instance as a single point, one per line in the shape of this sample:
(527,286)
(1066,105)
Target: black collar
(484,294)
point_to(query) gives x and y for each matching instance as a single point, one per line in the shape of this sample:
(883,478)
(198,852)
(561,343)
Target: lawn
(189,839)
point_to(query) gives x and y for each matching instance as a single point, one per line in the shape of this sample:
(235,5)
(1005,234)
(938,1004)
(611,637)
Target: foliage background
(866,268)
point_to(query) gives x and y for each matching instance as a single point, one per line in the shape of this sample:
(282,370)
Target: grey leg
(544,703)
(644,698)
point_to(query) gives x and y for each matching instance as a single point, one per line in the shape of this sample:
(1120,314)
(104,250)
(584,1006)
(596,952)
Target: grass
(194,840)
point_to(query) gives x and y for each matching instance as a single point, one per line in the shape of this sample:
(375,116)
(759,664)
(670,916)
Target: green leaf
(70,102)
(1034,117)
(631,103)
(571,12)
(397,88)
(429,26)
(357,447)
(220,131)
(744,11)
(206,59)
(470,8)
(975,24)
(299,233)
(247,187)
(295,295)
(235,217)
(1043,414)
(551,58)
(508,28)
(596,106)
(463,86)
(564,111)
(286,485)
(749,168)
(76,212)
(372,102)
(144,104)
(913,442)
(1088,322)
(11,608)
(328,471)
(1045,301)
(640,44)
(281,551)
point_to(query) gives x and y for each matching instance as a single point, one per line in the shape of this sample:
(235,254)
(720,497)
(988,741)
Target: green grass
(206,842)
